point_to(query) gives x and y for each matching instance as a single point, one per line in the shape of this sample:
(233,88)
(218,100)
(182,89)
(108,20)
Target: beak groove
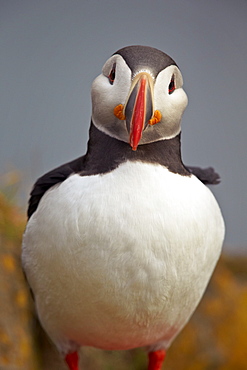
(139,107)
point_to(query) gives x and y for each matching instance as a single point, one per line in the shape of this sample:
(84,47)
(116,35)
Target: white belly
(121,260)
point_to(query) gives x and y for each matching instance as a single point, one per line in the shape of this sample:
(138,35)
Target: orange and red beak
(139,107)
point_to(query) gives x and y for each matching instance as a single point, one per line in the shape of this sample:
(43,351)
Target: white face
(113,86)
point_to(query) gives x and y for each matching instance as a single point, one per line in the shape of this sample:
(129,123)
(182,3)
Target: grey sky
(51,50)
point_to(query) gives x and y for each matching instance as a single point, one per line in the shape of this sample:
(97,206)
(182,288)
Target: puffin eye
(171,87)
(111,76)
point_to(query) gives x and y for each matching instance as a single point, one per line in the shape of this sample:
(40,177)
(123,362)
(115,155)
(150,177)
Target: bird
(121,242)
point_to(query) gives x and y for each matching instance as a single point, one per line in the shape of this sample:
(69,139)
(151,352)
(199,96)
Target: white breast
(121,260)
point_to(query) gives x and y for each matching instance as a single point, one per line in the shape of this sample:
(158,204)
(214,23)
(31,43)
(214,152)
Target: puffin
(121,242)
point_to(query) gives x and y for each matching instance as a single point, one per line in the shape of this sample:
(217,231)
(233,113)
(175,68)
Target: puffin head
(139,98)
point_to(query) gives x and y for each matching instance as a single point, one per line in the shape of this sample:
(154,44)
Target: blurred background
(50,52)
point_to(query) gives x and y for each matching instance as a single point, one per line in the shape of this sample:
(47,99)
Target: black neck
(105,153)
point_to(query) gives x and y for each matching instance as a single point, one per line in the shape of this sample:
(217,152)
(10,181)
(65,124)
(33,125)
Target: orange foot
(156,359)
(72,360)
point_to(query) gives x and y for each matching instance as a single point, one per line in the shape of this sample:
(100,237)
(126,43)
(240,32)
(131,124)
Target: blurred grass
(17,350)
(215,337)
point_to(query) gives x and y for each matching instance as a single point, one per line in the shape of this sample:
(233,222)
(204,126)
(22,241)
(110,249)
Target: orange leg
(72,360)
(156,359)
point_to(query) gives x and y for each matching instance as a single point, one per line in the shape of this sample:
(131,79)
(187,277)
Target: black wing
(206,175)
(50,179)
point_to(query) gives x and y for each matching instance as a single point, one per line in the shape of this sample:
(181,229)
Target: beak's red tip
(133,142)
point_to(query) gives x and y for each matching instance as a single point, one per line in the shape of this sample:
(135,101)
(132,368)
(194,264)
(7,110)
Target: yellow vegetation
(16,337)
